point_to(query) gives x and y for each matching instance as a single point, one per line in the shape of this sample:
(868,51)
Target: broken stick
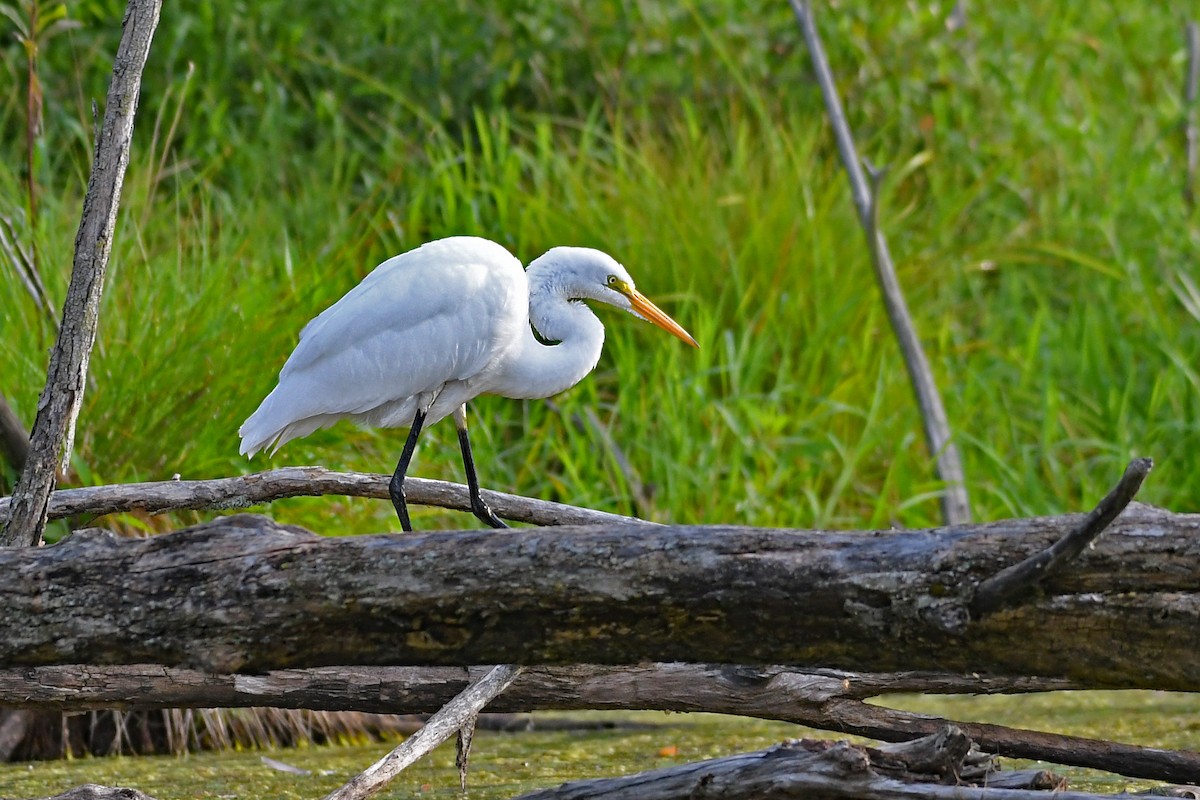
(441,726)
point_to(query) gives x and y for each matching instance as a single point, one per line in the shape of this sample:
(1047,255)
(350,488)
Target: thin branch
(956,506)
(22,261)
(14,439)
(1020,578)
(826,699)
(159,497)
(1191,83)
(58,408)
(637,489)
(440,727)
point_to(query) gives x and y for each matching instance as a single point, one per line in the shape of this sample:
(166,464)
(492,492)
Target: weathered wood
(243,491)
(825,699)
(456,714)
(939,767)
(243,594)
(93,791)
(66,379)
(770,692)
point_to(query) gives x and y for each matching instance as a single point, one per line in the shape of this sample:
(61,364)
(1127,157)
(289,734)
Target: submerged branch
(945,765)
(451,718)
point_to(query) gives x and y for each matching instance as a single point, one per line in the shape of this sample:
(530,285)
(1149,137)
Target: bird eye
(612,280)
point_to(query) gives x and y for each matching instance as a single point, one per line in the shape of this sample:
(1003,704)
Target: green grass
(1033,206)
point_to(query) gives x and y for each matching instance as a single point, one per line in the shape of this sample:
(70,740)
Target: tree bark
(243,594)
(58,408)
(826,699)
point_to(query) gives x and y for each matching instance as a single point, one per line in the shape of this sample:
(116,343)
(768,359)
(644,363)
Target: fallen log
(244,594)
(826,699)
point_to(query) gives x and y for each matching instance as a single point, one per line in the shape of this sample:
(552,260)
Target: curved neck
(534,369)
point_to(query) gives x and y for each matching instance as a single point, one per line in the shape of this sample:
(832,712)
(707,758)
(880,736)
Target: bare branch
(14,440)
(772,692)
(160,497)
(22,261)
(438,728)
(1191,82)
(1022,577)
(825,699)
(956,507)
(58,408)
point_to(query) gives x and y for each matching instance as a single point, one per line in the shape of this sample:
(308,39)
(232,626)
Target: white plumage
(430,329)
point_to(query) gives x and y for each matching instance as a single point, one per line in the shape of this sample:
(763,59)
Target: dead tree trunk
(243,594)
(58,408)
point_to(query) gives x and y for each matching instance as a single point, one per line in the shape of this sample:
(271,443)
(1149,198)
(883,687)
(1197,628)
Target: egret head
(588,274)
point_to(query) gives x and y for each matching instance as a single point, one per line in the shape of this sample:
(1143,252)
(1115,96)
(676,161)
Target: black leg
(396,487)
(478,507)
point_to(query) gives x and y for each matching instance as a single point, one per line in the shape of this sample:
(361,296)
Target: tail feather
(275,424)
(263,429)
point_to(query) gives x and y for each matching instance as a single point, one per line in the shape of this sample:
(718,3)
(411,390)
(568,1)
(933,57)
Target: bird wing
(418,321)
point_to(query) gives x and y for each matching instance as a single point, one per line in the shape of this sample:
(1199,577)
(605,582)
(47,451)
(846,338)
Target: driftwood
(92,791)
(66,379)
(456,715)
(245,594)
(159,497)
(956,505)
(827,699)
(942,766)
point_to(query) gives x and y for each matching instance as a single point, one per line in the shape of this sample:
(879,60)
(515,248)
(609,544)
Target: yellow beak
(656,315)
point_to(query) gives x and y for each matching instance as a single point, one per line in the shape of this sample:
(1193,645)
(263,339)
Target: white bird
(433,328)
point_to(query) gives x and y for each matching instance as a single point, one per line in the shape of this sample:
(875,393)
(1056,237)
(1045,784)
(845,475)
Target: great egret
(433,328)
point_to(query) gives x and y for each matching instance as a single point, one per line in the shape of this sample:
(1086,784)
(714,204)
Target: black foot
(396,486)
(396,490)
(485,514)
